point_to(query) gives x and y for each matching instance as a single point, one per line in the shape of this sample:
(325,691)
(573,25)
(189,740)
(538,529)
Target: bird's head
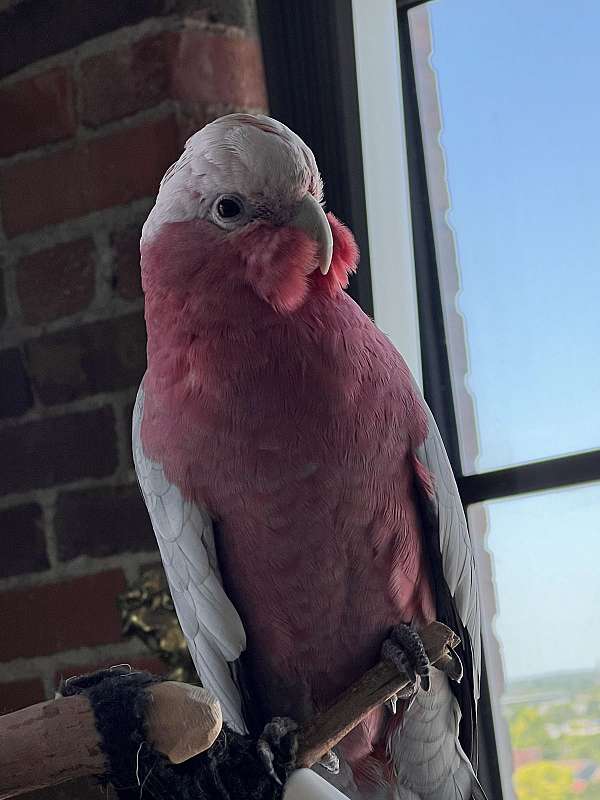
(243,207)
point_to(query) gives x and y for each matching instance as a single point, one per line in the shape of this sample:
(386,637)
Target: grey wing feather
(430,761)
(184,532)
(455,543)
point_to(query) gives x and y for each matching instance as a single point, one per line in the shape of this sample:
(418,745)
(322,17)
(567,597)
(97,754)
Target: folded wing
(184,532)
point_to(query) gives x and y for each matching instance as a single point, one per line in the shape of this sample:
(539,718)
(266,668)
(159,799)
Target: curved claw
(263,748)
(269,746)
(331,762)
(405,649)
(451,664)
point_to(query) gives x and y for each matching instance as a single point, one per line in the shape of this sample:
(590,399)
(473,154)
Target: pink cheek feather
(279,264)
(345,257)
(282,265)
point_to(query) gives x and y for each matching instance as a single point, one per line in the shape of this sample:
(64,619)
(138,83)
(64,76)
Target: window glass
(510,91)
(545,551)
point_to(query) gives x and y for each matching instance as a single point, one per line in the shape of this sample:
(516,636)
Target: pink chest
(300,446)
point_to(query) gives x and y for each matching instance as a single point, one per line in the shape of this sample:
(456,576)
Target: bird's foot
(331,762)
(404,648)
(277,747)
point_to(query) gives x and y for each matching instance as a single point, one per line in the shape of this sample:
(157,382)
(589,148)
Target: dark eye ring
(228,208)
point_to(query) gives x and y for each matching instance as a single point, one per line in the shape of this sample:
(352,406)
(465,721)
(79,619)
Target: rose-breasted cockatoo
(298,487)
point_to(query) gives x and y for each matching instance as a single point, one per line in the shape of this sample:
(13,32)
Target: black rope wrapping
(229,770)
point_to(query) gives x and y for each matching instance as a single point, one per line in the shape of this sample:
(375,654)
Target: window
(458,139)
(501,141)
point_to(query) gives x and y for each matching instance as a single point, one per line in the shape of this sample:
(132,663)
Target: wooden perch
(56,741)
(376,686)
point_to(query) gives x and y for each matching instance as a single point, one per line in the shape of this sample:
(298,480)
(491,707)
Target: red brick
(147,663)
(56,282)
(102,172)
(126,247)
(22,541)
(44,190)
(60,616)
(102,522)
(194,66)
(15,390)
(56,450)
(20,694)
(98,357)
(123,81)
(36,111)
(130,163)
(217,69)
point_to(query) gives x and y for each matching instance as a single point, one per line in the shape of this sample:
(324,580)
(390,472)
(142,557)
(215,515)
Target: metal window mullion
(434,349)
(537,476)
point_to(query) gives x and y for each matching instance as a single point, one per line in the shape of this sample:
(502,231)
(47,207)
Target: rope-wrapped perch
(130,729)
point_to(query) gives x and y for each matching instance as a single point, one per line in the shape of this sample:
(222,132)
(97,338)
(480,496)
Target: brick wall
(86,134)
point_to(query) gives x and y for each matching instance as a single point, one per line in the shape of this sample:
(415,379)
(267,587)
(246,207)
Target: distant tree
(555,749)
(528,728)
(593,709)
(572,747)
(587,747)
(543,780)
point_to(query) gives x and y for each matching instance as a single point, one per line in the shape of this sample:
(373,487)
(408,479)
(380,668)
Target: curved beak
(311,218)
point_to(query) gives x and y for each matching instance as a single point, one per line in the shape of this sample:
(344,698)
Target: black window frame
(308,49)
(535,476)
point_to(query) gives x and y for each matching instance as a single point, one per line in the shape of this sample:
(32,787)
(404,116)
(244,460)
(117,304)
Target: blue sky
(519,84)
(546,554)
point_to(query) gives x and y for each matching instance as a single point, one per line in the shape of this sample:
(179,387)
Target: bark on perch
(376,686)
(47,744)
(56,741)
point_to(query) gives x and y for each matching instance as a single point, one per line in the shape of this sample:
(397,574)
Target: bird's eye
(228,208)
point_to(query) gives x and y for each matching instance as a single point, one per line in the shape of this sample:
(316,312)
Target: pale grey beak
(311,218)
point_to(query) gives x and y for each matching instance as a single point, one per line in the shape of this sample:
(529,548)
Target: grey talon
(278,740)
(451,664)
(405,650)
(266,756)
(331,762)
